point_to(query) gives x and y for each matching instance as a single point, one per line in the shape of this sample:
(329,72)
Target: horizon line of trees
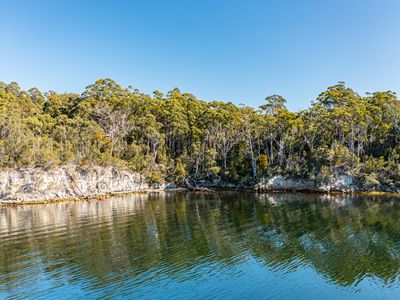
(176,135)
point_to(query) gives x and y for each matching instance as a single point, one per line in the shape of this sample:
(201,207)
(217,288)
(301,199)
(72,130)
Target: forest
(171,136)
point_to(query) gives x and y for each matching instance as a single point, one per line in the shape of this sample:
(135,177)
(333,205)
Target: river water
(203,246)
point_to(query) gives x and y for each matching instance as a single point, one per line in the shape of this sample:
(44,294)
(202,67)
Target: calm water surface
(203,246)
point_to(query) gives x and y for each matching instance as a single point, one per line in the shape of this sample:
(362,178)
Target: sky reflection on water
(187,245)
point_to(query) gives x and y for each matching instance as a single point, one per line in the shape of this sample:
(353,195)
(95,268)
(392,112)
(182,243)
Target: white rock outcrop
(33,184)
(336,183)
(341,183)
(280,182)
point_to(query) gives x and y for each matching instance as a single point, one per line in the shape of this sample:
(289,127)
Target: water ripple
(225,245)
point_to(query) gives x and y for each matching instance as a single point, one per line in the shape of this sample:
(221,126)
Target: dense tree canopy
(175,135)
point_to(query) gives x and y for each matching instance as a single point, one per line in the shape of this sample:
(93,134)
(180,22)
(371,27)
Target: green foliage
(155,177)
(180,171)
(263,162)
(175,135)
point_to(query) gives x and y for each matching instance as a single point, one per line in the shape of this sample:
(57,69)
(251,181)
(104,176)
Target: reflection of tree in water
(345,243)
(173,235)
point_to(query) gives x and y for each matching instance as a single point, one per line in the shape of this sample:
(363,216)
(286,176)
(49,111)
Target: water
(203,246)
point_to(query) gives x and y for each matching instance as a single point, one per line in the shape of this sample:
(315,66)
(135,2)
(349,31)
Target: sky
(239,51)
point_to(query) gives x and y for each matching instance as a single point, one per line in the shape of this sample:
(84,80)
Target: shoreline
(186,190)
(75,183)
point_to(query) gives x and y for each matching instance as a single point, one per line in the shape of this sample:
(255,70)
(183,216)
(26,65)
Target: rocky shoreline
(339,183)
(30,185)
(35,185)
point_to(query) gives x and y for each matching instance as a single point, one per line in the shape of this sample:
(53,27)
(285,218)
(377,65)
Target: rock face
(37,185)
(33,184)
(340,183)
(280,182)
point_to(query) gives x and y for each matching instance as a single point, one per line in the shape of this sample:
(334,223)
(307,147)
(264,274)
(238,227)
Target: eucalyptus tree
(176,135)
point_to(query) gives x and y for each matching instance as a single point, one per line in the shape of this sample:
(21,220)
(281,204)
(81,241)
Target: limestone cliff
(339,183)
(30,185)
(34,184)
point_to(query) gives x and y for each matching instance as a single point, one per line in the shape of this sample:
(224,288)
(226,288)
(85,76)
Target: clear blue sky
(238,51)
